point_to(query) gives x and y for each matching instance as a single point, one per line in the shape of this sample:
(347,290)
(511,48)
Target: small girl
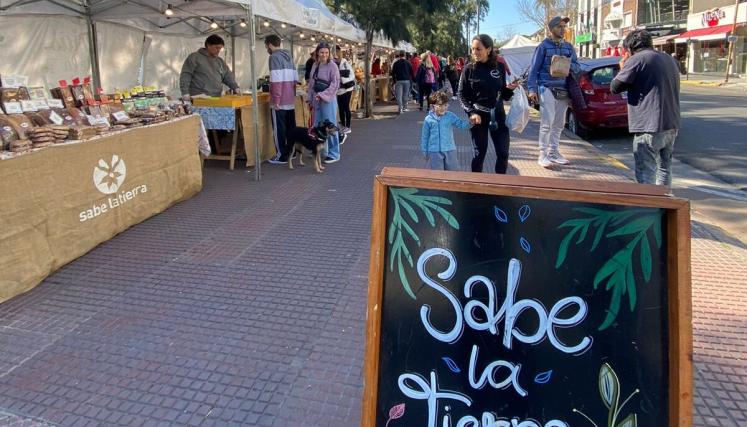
(437,137)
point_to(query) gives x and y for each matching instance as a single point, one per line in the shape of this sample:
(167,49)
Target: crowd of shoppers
(481,85)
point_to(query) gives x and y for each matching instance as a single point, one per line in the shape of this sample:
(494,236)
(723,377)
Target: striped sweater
(283,77)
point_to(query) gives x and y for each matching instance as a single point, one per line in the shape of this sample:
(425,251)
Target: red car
(603,108)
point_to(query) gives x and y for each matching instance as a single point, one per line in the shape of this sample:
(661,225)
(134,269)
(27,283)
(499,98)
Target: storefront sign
(712,18)
(716,17)
(506,302)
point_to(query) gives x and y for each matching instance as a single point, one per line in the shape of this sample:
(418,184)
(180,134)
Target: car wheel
(575,126)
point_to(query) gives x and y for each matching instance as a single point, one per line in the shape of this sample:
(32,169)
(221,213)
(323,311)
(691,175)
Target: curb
(700,83)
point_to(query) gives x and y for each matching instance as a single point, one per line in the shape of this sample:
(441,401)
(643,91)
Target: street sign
(584,38)
(731,39)
(526,302)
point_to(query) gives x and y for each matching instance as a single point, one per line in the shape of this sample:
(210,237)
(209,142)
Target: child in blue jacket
(437,136)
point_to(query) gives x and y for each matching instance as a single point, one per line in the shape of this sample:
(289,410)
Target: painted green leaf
(429,216)
(607,269)
(445,214)
(619,217)
(393,256)
(582,236)
(613,309)
(403,279)
(573,223)
(646,259)
(633,227)
(407,254)
(591,211)
(599,233)
(609,386)
(411,232)
(406,191)
(409,210)
(563,249)
(629,421)
(392,230)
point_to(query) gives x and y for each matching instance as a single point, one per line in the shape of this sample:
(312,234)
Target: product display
(29,120)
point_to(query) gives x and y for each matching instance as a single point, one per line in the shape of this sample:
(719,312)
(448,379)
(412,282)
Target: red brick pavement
(245,305)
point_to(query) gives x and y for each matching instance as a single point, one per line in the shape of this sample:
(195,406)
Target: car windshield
(604,75)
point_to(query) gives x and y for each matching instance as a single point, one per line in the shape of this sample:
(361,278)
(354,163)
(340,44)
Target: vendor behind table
(204,72)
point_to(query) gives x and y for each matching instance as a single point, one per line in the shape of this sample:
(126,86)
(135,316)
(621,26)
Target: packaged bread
(20,146)
(20,123)
(78,117)
(78,96)
(64,94)
(8,133)
(39,119)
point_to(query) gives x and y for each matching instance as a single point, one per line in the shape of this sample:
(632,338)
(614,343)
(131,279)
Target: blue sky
(501,15)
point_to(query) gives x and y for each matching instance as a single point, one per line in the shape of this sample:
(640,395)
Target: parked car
(604,109)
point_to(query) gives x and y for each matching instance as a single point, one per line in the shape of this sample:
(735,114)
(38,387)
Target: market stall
(76,195)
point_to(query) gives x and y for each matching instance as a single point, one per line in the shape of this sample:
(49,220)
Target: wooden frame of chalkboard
(674,316)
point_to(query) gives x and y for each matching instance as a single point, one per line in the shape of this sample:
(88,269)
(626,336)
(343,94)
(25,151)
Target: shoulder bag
(319,84)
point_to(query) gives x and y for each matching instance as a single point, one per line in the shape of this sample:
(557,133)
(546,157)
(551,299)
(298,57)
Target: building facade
(586,28)
(710,35)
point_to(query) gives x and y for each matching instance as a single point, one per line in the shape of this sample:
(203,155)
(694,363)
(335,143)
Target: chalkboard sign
(526,302)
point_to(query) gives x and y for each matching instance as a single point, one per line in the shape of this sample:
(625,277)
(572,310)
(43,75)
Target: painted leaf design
(633,227)
(524,212)
(629,421)
(657,231)
(451,364)
(609,386)
(543,377)
(397,411)
(646,259)
(410,211)
(500,215)
(563,249)
(525,245)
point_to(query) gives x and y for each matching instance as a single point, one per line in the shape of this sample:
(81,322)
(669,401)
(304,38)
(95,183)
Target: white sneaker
(544,161)
(557,158)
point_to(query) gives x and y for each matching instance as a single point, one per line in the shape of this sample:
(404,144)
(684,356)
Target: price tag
(13,108)
(41,104)
(55,103)
(120,116)
(55,118)
(28,106)
(92,120)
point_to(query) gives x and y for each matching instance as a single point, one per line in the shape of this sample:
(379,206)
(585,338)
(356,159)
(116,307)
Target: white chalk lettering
(509,312)
(489,373)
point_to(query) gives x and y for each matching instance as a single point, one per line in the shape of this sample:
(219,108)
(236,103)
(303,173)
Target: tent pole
(255,94)
(233,52)
(93,50)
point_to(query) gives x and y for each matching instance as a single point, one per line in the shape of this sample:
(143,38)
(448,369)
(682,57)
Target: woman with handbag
(347,84)
(322,95)
(482,89)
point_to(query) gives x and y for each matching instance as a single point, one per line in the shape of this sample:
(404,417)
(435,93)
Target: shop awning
(658,41)
(703,34)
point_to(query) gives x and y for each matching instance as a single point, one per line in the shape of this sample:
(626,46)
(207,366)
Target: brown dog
(312,140)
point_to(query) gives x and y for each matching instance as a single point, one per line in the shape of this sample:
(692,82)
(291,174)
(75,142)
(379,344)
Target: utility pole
(731,43)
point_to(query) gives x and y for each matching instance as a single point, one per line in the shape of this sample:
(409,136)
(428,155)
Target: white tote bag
(518,116)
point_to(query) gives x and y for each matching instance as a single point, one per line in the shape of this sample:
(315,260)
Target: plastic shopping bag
(518,116)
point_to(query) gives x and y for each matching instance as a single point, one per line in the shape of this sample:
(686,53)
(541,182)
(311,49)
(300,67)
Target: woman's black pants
(501,140)
(343,105)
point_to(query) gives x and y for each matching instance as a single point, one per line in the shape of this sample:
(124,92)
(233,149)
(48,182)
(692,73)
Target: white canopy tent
(125,42)
(518,53)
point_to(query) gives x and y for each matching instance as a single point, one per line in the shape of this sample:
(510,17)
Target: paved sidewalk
(246,304)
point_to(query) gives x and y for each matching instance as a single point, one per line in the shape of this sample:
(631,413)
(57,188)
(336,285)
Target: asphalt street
(712,138)
(710,165)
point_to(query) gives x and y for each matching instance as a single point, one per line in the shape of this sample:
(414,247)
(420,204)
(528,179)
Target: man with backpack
(547,86)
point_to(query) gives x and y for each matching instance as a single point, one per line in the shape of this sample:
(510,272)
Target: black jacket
(481,85)
(401,70)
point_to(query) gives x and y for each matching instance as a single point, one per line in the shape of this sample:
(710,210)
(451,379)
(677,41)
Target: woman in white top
(347,84)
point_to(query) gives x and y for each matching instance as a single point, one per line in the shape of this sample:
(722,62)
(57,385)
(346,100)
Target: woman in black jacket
(482,89)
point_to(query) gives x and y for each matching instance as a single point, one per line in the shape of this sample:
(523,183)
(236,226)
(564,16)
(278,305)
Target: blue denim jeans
(328,110)
(653,157)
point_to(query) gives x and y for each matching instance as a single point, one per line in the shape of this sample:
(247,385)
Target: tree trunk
(368,98)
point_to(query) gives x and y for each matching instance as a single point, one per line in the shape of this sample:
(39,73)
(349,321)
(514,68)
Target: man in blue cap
(551,90)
